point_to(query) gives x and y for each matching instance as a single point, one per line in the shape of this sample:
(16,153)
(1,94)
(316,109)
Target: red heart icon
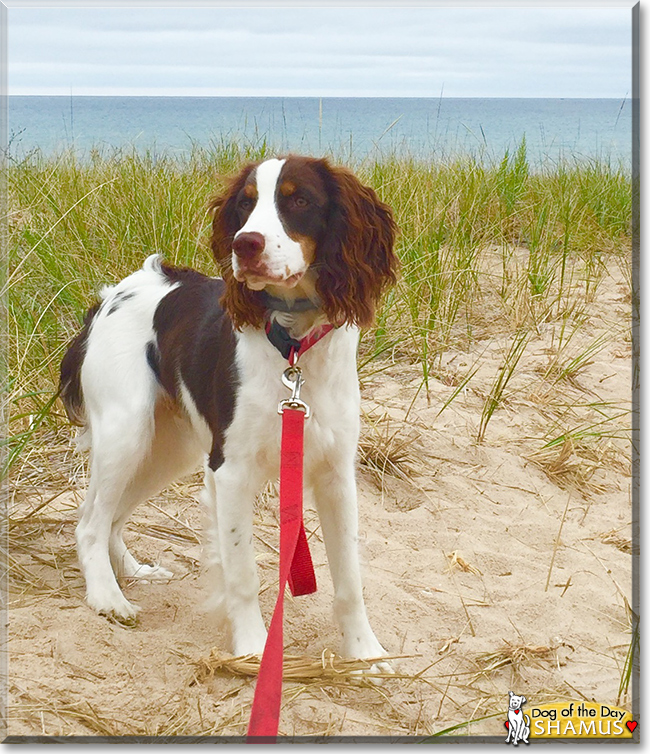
(507,724)
(631,724)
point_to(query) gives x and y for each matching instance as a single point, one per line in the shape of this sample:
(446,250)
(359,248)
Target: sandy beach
(490,566)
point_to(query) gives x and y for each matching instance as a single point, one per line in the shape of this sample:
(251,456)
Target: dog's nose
(248,245)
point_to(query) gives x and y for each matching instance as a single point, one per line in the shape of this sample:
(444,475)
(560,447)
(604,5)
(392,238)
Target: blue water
(346,128)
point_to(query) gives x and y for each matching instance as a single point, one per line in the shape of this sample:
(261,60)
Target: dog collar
(292,348)
(277,304)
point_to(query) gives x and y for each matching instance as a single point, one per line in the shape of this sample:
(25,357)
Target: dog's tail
(70,390)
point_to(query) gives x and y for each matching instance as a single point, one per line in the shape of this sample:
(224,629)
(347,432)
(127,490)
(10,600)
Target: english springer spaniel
(173,369)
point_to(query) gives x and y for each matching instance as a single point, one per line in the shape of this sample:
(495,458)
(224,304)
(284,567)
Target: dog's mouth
(257,280)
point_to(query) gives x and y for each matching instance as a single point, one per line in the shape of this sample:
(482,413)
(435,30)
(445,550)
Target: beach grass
(495,250)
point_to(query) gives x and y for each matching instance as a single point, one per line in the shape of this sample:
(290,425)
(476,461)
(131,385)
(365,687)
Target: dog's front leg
(235,487)
(335,494)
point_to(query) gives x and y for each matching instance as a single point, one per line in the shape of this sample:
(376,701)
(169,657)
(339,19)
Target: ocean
(351,129)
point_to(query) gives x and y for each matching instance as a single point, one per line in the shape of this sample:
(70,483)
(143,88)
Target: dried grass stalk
(384,450)
(456,560)
(624,544)
(328,668)
(514,656)
(572,465)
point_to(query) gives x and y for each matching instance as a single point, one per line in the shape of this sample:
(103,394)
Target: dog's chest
(330,389)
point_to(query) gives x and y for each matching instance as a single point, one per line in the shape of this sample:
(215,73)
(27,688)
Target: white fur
(282,256)
(140,444)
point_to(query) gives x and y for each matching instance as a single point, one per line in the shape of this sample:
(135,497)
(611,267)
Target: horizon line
(315,96)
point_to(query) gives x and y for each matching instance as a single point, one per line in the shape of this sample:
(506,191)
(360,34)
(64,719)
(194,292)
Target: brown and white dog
(173,369)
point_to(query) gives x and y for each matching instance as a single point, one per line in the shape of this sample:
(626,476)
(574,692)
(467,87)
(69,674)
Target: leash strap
(296,568)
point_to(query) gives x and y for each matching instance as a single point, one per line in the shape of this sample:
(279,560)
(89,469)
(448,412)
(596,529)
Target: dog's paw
(368,649)
(118,610)
(127,621)
(248,642)
(148,573)
(251,646)
(375,674)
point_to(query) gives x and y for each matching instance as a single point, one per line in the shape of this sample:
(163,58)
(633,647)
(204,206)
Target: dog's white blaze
(282,256)
(265,212)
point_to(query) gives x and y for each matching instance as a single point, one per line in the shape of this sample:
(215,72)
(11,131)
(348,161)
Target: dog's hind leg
(124,563)
(174,452)
(120,443)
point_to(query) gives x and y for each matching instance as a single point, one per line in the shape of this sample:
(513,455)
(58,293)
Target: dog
(518,723)
(173,369)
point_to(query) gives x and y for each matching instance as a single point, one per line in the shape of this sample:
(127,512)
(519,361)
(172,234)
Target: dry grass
(624,544)
(516,657)
(386,449)
(456,560)
(573,465)
(567,368)
(53,711)
(330,668)
(40,565)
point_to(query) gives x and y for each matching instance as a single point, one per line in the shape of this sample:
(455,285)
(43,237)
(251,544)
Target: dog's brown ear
(240,302)
(356,260)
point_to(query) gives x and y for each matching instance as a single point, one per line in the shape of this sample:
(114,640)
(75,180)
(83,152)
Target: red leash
(296,567)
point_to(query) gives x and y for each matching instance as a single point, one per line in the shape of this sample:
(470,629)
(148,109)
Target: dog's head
(299,227)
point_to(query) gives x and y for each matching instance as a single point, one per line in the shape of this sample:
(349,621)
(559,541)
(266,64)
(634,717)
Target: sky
(484,51)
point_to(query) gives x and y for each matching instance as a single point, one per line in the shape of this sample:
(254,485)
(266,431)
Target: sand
(492,566)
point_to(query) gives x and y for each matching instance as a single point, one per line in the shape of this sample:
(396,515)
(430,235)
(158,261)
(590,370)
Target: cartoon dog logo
(518,724)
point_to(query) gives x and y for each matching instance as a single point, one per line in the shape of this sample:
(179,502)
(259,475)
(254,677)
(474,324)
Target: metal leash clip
(292,378)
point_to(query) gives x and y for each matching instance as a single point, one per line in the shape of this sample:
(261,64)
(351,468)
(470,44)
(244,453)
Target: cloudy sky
(458,51)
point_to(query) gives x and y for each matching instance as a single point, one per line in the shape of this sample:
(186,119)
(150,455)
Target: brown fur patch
(357,259)
(242,304)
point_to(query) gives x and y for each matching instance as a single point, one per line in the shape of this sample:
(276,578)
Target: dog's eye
(245,204)
(301,202)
